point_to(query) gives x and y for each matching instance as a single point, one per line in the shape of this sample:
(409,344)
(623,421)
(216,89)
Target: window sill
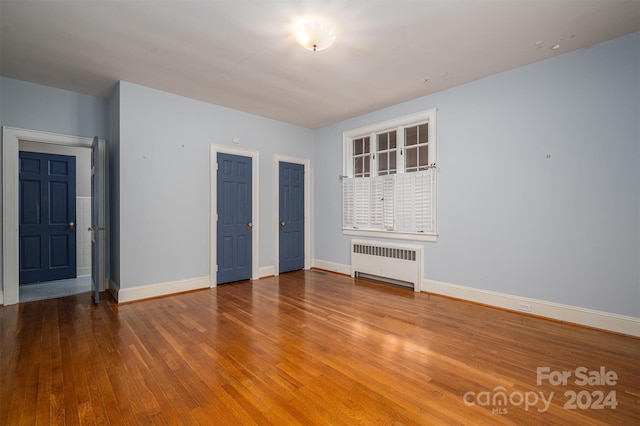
(411,236)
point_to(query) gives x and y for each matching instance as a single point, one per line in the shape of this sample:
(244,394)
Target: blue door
(234,227)
(291,178)
(47,214)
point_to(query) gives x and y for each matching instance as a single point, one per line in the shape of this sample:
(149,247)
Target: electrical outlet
(524,307)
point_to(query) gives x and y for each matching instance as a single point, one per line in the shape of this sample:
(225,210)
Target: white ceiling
(242,53)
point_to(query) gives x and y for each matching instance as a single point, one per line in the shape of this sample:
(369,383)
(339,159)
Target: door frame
(277,158)
(10,200)
(255,209)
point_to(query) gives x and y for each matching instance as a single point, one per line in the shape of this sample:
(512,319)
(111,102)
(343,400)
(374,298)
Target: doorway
(291,218)
(10,228)
(47,214)
(253,157)
(296,211)
(55,205)
(234,226)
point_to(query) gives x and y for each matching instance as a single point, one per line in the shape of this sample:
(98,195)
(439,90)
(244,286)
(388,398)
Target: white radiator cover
(398,262)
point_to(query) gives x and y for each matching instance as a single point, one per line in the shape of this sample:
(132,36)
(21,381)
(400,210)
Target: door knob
(281,224)
(249,225)
(72,226)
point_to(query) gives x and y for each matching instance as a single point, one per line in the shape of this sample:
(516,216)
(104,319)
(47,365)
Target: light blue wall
(165,185)
(37,107)
(564,229)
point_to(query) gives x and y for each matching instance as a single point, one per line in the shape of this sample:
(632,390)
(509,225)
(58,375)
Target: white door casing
(10,199)
(255,214)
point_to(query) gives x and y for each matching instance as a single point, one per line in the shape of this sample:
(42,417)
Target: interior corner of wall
(112,285)
(113,288)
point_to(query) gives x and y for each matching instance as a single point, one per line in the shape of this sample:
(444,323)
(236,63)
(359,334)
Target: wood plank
(306,347)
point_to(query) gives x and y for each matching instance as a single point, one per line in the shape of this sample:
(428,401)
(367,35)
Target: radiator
(396,263)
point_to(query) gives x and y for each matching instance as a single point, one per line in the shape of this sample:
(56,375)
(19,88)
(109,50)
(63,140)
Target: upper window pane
(423,134)
(387,153)
(411,136)
(361,157)
(392,162)
(358,168)
(416,135)
(416,143)
(383,163)
(361,146)
(411,159)
(423,157)
(357,146)
(383,142)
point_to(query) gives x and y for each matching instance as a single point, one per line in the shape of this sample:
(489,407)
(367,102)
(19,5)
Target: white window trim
(385,126)
(396,235)
(371,131)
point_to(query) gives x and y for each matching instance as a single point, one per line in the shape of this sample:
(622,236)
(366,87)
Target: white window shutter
(348,203)
(388,193)
(376,203)
(400,202)
(362,197)
(403,220)
(423,201)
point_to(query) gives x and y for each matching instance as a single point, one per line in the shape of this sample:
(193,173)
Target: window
(361,157)
(389,179)
(387,148)
(416,142)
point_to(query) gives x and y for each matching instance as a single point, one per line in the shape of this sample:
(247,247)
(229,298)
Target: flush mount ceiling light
(313,34)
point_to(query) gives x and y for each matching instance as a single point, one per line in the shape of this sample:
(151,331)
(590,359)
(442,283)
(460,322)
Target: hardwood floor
(308,347)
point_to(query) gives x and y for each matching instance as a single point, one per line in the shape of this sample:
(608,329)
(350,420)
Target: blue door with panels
(47,212)
(291,224)
(234,226)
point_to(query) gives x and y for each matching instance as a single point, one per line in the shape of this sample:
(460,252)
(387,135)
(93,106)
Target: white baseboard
(567,313)
(131,294)
(81,272)
(331,266)
(1,298)
(573,314)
